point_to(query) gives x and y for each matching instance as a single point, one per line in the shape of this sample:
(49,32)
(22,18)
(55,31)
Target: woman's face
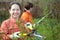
(15,11)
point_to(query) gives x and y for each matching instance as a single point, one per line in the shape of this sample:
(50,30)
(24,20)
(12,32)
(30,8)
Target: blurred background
(50,26)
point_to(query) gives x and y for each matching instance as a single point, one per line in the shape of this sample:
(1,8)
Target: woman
(26,16)
(9,26)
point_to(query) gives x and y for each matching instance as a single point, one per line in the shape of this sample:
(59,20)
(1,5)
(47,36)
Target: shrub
(3,16)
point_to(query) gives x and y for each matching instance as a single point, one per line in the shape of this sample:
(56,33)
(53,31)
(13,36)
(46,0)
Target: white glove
(14,35)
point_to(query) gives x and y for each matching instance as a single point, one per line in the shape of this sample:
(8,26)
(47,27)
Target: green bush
(3,16)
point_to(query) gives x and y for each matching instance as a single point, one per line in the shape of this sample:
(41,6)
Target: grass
(48,28)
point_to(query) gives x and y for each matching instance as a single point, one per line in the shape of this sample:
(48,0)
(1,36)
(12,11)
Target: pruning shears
(29,26)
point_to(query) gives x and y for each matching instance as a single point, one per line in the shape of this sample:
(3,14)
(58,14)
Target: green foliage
(49,28)
(45,11)
(3,16)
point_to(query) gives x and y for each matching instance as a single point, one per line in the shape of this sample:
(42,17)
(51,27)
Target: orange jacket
(26,16)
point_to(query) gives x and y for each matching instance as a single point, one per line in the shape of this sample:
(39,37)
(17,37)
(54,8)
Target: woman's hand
(5,37)
(14,35)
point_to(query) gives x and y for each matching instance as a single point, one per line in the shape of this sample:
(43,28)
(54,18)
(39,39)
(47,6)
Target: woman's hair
(14,3)
(28,5)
